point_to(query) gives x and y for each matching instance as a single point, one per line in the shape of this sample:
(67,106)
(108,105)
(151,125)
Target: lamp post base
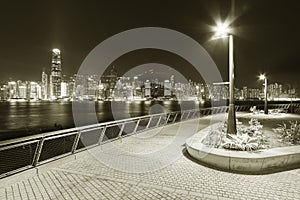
(231,121)
(266,111)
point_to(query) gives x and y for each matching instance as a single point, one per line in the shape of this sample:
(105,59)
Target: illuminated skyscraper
(167,88)
(147,89)
(44,86)
(55,76)
(12,88)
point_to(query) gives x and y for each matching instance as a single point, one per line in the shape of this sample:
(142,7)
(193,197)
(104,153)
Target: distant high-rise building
(22,91)
(245,92)
(109,81)
(64,89)
(253,93)
(12,88)
(44,85)
(4,92)
(71,87)
(167,88)
(147,89)
(33,90)
(55,76)
(172,79)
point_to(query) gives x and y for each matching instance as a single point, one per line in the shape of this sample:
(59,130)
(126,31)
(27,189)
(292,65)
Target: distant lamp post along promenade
(264,78)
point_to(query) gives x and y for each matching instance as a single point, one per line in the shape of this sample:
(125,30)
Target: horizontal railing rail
(27,152)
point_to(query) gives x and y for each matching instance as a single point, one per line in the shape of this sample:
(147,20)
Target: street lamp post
(231,123)
(222,31)
(263,77)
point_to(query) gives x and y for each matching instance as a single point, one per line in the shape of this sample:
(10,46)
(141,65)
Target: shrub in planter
(215,136)
(290,134)
(248,138)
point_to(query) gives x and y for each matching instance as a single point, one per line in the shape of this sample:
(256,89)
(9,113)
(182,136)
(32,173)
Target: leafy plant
(248,138)
(289,134)
(215,136)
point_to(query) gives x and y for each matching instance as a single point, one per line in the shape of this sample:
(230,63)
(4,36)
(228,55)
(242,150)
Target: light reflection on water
(27,116)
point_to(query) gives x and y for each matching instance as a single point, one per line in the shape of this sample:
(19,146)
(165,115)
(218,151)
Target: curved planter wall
(262,161)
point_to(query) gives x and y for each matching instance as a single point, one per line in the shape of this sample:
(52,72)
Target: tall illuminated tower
(55,76)
(44,85)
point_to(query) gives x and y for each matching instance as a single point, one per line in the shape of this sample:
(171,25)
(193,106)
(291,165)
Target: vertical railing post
(168,117)
(209,111)
(198,114)
(102,135)
(175,117)
(136,126)
(195,114)
(214,111)
(38,152)
(182,114)
(192,115)
(76,141)
(149,122)
(187,117)
(160,117)
(121,130)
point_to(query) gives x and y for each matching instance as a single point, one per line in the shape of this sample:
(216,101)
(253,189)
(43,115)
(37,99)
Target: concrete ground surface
(144,169)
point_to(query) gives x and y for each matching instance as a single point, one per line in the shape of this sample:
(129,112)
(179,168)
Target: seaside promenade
(83,176)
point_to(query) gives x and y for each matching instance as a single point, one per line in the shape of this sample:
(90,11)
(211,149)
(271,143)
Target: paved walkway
(88,178)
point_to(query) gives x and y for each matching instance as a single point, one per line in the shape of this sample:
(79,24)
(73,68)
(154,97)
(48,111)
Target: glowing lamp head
(221,30)
(262,77)
(56,51)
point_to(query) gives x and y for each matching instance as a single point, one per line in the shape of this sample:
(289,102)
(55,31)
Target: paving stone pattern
(87,178)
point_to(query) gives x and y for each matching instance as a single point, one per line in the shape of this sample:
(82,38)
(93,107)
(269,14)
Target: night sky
(266,33)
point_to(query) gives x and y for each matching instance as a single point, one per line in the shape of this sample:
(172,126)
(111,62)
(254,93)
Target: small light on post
(56,51)
(221,30)
(262,77)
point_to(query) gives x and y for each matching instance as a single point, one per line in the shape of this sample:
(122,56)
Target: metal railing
(23,153)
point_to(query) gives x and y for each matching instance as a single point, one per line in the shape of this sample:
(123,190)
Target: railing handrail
(69,130)
(81,128)
(75,129)
(86,127)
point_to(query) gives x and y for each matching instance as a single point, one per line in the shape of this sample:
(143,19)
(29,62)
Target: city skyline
(266,36)
(140,83)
